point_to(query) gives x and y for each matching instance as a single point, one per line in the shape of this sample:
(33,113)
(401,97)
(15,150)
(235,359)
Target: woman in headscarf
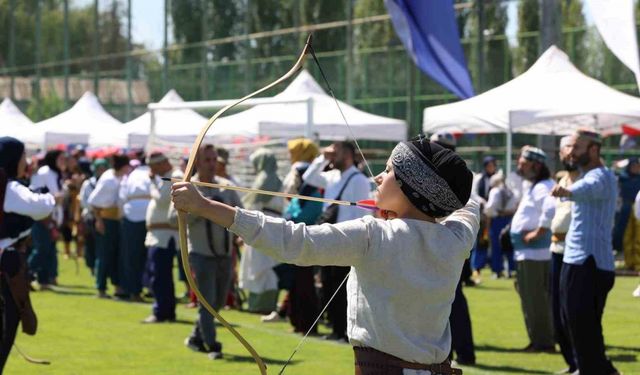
(48,179)
(301,303)
(302,151)
(20,207)
(256,269)
(404,269)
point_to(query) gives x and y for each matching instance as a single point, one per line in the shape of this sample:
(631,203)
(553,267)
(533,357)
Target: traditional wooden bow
(182,220)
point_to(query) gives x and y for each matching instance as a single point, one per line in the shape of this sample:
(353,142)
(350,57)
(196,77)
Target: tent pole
(308,129)
(152,131)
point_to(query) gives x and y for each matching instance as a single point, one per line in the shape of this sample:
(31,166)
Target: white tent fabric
(616,23)
(87,122)
(178,125)
(289,120)
(15,124)
(553,97)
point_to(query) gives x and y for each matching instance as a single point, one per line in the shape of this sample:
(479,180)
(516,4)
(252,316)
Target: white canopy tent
(551,98)
(176,125)
(87,122)
(305,105)
(15,124)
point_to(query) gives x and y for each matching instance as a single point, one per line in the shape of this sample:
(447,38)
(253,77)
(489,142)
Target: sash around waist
(371,361)
(112,213)
(517,239)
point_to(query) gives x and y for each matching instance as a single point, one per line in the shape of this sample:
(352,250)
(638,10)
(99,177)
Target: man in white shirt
(344,182)
(531,238)
(134,197)
(99,166)
(162,239)
(104,203)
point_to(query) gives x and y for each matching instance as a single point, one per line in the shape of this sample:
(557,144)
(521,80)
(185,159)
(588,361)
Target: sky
(147,20)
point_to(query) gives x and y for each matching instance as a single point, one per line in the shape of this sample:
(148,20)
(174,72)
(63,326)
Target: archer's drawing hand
(186,197)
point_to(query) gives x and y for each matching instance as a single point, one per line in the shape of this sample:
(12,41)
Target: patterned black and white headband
(420,182)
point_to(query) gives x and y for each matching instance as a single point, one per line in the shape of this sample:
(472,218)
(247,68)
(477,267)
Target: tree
(81,36)
(45,107)
(223,18)
(574,36)
(497,68)
(528,21)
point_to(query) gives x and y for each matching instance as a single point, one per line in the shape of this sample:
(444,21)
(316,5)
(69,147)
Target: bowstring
(313,325)
(326,82)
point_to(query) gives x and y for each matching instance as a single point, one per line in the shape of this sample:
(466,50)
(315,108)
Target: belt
(161,226)
(558,237)
(109,213)
(369,361)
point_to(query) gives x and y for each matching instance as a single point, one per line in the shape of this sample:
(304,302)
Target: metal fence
(375,77)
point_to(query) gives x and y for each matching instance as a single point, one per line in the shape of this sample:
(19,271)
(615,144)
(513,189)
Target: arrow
(365,203)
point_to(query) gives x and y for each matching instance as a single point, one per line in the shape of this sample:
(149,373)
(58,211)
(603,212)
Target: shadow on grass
(626,348)
(65,290)
(75,286)
(623,358)
(270,362)
(516,370)
(182,321)
(497,349)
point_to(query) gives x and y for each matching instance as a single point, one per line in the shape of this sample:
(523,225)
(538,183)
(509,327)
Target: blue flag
(428,30)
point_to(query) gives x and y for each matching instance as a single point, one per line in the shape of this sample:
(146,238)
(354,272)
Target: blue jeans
(107,254)
(213,278)
(160,261)
(43,259)
(497,256)
(478,257)
(134,255)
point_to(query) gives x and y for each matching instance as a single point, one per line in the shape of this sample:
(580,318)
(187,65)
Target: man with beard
(559,228)
(345,182)
(531,238)
(587,274)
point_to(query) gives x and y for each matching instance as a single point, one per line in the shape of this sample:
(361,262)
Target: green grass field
(80,334)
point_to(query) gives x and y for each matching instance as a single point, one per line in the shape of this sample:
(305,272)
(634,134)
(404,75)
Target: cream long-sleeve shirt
(403,277)
(160,230)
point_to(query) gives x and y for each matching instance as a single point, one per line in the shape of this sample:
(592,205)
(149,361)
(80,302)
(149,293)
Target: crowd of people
(554,234)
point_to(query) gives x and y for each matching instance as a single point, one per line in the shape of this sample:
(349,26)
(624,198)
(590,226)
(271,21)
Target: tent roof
(179,125)
(289,120)
(552,97)
(86,122)
(15,124)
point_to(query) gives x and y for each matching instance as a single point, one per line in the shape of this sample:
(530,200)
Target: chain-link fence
(366,65)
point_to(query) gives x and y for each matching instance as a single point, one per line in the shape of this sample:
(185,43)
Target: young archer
(404,269)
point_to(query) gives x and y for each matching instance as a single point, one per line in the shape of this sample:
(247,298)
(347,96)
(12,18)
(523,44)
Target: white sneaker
(272,318)
(214,355)
(636,293)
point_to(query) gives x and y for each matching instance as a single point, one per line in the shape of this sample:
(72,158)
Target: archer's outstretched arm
(343,244)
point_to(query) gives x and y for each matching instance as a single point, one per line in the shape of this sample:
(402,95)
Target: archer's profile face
(389,195)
